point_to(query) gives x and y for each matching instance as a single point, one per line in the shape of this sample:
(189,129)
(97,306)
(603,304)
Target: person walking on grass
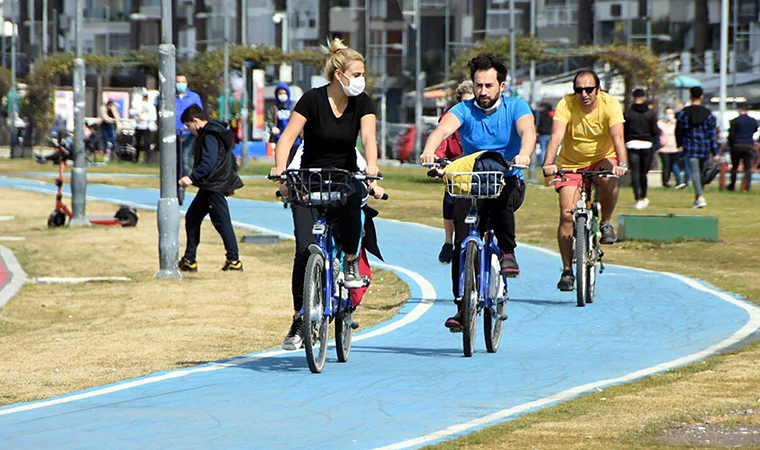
(215,176)
(742,146)
(670,155)
(640,131)
(696,132)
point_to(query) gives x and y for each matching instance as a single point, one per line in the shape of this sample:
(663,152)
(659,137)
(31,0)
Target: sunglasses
(588,90)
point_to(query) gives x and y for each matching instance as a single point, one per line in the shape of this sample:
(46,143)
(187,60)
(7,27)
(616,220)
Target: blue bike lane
(406,383)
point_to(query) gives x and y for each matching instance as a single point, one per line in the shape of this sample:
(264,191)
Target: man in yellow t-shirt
(589,124)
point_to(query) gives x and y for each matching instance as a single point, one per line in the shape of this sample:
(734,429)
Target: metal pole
(44,28)
(55,30)
(244,118)
(383,116)
(447,33)
(244,105)
(30,11)
(367,36)
(168,205)
(226,115)
(79,171)
(108,34)
(532,62)
(512,60)
(12,94)
(649,26)
(420,78)
(723,61)
(736,46)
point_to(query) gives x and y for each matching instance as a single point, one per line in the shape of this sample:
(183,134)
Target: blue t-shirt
(496,131)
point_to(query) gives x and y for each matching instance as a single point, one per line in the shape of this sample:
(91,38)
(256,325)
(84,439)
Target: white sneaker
(681,186)
(699,203)
(294,338)
(638,205)
(644,203)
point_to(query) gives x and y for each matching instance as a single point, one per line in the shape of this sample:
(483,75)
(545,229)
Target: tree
(527,48)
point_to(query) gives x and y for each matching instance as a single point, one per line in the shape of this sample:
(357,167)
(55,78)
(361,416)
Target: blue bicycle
(482,288)
(326,191)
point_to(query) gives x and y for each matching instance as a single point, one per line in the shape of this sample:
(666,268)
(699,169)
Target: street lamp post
(723,61)
(244,105)
(225,17)
(419,78)
(168,204)
(79,171)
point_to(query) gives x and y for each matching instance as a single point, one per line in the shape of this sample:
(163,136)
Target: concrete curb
(12,276)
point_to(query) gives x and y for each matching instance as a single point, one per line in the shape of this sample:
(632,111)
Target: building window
(616,10)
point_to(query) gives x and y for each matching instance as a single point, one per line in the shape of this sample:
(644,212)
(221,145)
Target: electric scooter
(126,216)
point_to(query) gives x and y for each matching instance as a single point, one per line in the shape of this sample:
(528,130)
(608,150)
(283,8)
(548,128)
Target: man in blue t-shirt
(490,121)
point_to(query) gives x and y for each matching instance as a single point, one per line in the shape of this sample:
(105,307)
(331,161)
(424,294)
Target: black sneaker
(233,265)
(566,281)
(353,279)
(454,323)
(294,338)
(508,263)
(186,265)
(608,233)
(447,252)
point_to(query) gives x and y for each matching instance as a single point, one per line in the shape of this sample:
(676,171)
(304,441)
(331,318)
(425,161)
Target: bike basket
(323,187)
(474,184)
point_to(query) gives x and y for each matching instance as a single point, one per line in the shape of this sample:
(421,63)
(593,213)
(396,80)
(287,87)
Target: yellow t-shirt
(587,136)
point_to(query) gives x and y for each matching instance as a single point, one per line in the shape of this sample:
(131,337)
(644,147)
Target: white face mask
(355,86)
(670,117)
(492,107)
(282,98)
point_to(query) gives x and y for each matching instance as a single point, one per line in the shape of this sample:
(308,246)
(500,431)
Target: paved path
(406,383)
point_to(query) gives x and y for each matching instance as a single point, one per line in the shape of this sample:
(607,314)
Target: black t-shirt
(330,141)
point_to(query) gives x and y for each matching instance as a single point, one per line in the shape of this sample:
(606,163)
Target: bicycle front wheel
(470,298)
(493,322)
(593,252)
(343,334)
(315,323)
(581,260)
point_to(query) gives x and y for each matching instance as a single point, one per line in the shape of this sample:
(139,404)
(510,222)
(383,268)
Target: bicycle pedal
(601,267)
(354,325)
(455,330)
(502,317)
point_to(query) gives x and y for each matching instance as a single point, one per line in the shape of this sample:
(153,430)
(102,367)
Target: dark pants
(745,154)
(348,232)
(500,212)
(108,131)
(670,165)
(142,144)
(214,204)
(639,161)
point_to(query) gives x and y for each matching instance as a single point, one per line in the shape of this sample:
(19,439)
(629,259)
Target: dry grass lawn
(62,338)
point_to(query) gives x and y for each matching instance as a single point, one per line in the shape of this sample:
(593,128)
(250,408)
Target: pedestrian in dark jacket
(215,176)
(696,132)
(740,139)
(640,132)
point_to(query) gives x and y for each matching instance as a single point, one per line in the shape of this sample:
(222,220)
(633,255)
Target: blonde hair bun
(339,57)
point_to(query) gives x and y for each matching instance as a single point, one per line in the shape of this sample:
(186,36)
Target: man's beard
(488,104)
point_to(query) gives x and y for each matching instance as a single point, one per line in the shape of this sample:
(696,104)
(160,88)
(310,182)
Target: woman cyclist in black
(331,118)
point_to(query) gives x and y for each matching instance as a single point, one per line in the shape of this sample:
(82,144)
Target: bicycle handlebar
(358,176)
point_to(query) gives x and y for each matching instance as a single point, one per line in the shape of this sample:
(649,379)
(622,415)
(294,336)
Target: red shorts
(576,179)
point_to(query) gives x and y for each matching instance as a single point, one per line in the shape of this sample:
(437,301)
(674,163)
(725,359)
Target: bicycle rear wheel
(581,260)
(492,316)
(470,298)
(343,334)
(315,323)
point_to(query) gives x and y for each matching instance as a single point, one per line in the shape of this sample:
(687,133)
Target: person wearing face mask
(185,139)
(669,152)
(494,122)
(331,118)
(278,116)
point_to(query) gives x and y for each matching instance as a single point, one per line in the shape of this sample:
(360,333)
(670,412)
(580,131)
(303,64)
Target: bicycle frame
(486,249)
(325,246)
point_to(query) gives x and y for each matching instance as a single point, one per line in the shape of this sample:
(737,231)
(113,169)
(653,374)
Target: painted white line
(12,238)
(18,276)
(428,298)
(63,280)
(744,332)
(6,218)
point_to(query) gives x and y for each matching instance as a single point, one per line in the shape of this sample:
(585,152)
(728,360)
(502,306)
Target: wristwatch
(623,164)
